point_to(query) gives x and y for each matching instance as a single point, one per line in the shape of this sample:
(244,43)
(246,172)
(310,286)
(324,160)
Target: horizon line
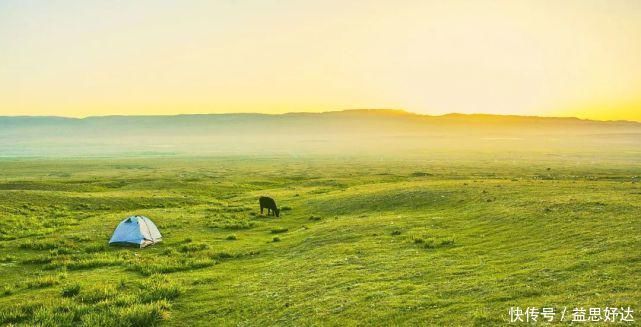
(395,110)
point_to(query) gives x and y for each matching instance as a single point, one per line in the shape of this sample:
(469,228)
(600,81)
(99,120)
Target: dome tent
(138,230)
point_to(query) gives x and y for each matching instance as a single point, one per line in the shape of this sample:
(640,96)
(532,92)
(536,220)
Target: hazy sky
(80,58)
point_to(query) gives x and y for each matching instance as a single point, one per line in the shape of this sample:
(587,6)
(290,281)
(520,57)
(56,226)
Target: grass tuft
(71,290)
(42,282)
(97,294)
(194,247)
(7,259)
(7,290)
(159,287)
(170,265)
(238,224)
(279,230)
(431,243)
(142,315)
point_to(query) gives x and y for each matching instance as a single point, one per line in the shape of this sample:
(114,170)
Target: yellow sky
(542,57)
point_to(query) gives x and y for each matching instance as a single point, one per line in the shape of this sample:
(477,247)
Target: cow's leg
(269,211)
(261,210)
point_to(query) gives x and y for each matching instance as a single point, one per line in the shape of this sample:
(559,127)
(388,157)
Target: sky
(145,57)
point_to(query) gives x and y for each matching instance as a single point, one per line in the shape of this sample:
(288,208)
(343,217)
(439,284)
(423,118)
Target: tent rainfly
(138,230)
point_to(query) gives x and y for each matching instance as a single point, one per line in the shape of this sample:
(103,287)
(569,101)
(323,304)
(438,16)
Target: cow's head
(277,212)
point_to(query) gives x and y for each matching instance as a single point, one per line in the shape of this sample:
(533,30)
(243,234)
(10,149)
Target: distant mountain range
(339,131)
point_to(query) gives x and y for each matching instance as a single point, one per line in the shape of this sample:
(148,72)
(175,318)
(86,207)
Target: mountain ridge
(364,112)
(338,132)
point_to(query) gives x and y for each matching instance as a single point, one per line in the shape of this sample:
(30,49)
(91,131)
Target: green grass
(279,230)
(363,241)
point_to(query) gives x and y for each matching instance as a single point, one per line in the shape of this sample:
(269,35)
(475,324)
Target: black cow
(270,204)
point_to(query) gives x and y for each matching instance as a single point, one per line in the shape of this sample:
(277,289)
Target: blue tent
(138,230)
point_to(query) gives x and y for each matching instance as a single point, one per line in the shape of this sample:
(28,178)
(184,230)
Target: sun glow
(575,57)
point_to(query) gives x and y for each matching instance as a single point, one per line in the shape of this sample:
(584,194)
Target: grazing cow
(270,204)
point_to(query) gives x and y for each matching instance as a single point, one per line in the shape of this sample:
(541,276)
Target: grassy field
(376,241)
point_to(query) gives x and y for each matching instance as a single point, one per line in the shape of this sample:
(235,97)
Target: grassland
(377,241)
